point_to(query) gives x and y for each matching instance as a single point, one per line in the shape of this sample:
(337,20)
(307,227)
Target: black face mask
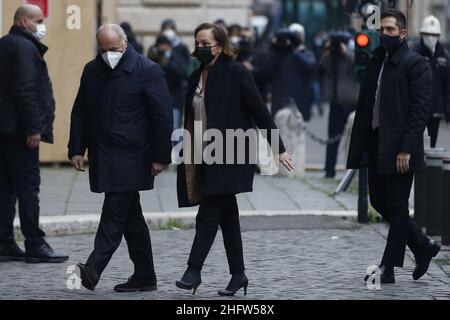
(391,44)
(204,55)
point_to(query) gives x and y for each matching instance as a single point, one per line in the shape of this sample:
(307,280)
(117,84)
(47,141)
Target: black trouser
(433,130)
(19,180)
(389,195)
(122,215)
(214,211)
(336,126)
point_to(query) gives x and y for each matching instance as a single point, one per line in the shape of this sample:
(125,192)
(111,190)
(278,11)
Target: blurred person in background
(181,58)
(340,88)
(181,51)
(176,74)
(132,38)
(438,58)
(242,40)
(289,68)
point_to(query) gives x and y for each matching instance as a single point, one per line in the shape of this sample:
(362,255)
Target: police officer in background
(27,111)
(438,58)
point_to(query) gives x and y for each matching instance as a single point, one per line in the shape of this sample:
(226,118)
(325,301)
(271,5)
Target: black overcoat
(123,118)
(232,101)
(405,107)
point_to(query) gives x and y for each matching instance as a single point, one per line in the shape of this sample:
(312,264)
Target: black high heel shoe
(237,282)
(191,280)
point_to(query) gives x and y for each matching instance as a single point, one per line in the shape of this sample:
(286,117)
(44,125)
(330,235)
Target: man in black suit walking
(392,112)
(123,117)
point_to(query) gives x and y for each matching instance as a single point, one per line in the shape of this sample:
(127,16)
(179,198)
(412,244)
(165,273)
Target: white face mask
(431,42)
(112,58)
(170,34)
(235,40)
(41,31)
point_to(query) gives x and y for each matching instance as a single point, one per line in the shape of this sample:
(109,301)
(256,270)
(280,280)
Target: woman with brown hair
(222,95)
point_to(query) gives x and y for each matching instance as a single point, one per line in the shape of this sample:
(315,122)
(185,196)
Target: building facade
(417,10)
(146,16)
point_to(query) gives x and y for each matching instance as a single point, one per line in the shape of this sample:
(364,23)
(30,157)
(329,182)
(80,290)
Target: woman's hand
(287,161)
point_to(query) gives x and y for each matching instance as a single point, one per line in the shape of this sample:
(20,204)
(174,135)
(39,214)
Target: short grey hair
(117,28)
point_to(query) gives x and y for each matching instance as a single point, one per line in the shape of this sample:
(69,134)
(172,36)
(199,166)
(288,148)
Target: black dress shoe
(237,282)
(387,275)
(10,251)
(136,285)
(191,280)
(88,275)
(423,261)
(44,254)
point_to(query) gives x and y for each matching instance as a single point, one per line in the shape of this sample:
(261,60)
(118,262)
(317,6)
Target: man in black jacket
(27,109)
(392,112)
(438,59)
(122,118)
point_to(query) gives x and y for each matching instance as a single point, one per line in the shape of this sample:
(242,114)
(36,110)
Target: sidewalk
(69,208)
(66,192)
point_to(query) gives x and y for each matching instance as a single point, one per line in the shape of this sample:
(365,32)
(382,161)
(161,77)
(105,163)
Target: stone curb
(88,224)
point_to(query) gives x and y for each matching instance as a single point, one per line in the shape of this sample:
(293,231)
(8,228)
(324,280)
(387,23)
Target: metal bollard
(446,201)
(420,191)
(434,192)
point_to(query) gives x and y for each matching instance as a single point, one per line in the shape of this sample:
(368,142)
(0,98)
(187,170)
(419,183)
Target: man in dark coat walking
(122,117)
(392,112)
(27,112)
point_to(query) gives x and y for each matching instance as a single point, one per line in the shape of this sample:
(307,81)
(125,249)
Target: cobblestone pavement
(303,257)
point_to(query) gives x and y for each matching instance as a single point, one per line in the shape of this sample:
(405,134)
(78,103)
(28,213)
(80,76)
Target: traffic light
(366,42)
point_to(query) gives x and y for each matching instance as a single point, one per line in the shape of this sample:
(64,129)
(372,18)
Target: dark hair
(398,15)
(221,36)
(169,23)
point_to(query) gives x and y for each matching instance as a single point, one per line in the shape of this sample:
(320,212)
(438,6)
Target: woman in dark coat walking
(222,96)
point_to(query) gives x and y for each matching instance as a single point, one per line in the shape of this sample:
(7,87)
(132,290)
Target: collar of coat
(220,63)
(127,62)
(15,30)
(380,53)
(217,68)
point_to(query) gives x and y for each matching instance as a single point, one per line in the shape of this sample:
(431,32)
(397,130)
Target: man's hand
(33,141)
(157,168)
(78,163)
(287,161)
(403,162)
